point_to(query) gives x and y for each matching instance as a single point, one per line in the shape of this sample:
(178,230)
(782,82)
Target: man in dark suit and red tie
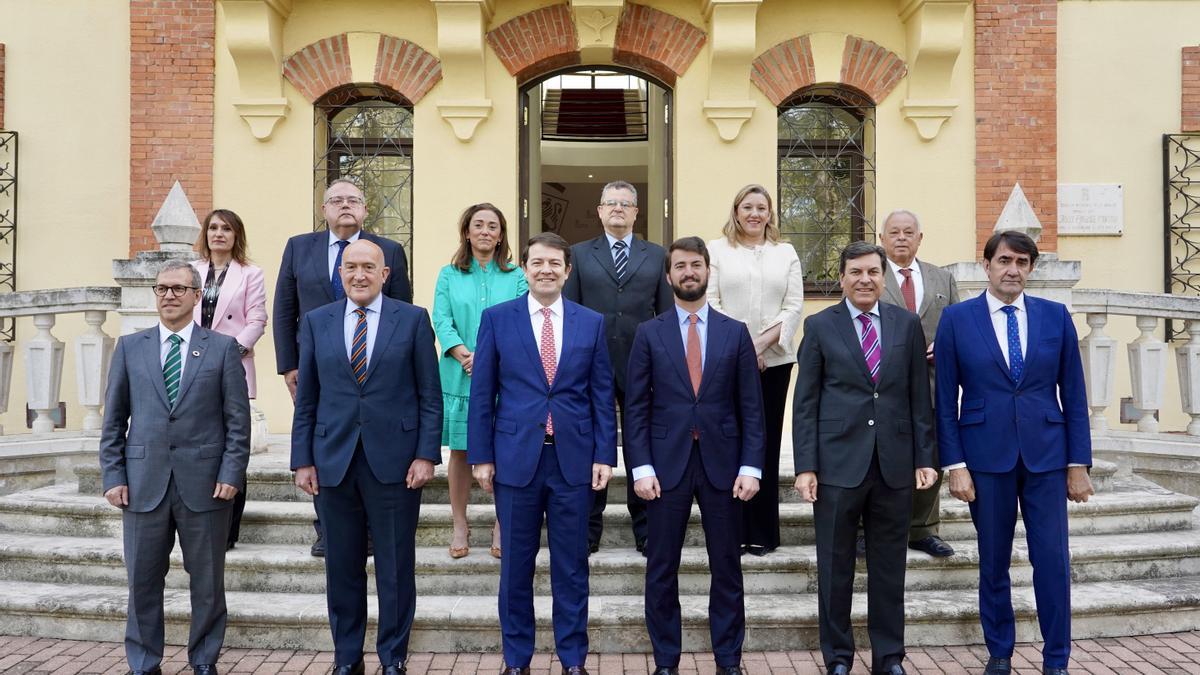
(695,425)
(365,437)
(542,436)
(863,437)
(1021,435)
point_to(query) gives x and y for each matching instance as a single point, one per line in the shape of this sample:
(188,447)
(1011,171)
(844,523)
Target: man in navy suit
(695,425)
(365,437)
(541,436)
(1021,436)
(308,279)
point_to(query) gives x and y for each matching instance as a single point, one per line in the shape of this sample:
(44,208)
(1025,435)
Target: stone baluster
(43,372)
(93,351)
(1147,372)
(6,365)
(1187,358)
(1099,354)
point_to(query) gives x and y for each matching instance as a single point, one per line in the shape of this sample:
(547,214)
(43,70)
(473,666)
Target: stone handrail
(44,352)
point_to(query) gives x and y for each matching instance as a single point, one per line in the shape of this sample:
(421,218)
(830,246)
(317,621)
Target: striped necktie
(872,351)
(358,347)
(172,368)
(335,279)
(620,258)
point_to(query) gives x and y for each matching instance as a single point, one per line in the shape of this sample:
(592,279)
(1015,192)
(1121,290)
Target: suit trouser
(635,504)
(349,510)
(520,511)
(721,517)
(149,538)
(760,516)
(927,506)
(884,512)
(1043,499)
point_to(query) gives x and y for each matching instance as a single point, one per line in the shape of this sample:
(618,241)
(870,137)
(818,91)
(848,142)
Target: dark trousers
(667,518)
(760,516)
(149,538)
(348,511)
(521,511)
(635,504)
(884,512)
(1043,499)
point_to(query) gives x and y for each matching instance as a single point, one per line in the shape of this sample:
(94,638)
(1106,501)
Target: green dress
(458,304)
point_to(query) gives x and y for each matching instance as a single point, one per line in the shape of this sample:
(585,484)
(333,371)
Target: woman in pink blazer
(233,303)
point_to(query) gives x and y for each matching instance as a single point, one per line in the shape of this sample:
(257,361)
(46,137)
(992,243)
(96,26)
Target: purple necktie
(872,351)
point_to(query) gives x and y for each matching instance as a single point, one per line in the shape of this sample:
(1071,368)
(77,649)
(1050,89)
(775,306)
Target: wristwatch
(243,349)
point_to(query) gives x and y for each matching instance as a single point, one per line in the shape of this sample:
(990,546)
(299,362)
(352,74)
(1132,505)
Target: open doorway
(587,126)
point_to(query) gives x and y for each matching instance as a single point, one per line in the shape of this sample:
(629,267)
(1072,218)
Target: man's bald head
(363,272)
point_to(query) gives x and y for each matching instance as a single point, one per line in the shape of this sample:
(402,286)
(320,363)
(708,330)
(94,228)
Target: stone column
(6,365)
(93,351)
(43,372)
(1147,370)
(1099,355)
(1187,357)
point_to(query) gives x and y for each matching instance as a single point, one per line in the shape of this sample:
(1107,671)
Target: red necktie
(549,361)
(909,290)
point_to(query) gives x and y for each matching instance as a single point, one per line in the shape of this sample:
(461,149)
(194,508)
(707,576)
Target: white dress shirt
(164,345)
(628,239)
(351,322)
(873,315)
(917,280)
(333,249)
(761,286)
(556,321)
(647,470)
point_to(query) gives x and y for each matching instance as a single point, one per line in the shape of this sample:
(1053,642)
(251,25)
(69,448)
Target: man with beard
(694,418)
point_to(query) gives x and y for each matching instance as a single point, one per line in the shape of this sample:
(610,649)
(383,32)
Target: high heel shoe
(461,552)
(495,550)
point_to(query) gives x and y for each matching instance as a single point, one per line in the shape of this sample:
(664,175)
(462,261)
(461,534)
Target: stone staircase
(1135,547)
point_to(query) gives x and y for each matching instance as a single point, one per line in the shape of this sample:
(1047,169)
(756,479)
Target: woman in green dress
(480,275)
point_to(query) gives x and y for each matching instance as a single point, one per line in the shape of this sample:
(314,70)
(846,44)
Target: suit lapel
(887,320)
(668,333)
(637,256)
(319,260)
(231,286)
(717,335)
(983,322)
(383,336)
(333,332)
(1033,319)
(930,290)
(568,338)
(891,289)
(845,328)
(152,358)
(603,256)
(527,338)
(193,360)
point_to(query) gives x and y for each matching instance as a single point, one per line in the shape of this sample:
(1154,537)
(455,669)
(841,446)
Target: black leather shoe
(933,545)
(318,547)
(574,670)
(838,669)
(356,669)
(640,545)
(860,546)
(666,670)
(1053,671)
(593,546)
(205,670)
(395,670)
(757,551)
(998,666)
(894,669)
(729,670)
(153,671)
(514,671)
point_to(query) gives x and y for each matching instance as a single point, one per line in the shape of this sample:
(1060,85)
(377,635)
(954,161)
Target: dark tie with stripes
(172,367)
(335,279)
(358,347)
(620,258)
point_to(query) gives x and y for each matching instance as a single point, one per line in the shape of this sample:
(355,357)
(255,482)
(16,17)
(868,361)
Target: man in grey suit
(621,277)
(925,290)
(173,454)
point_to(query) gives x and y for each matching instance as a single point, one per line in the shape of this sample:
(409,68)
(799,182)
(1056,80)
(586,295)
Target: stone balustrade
(1148,353)
(44,352)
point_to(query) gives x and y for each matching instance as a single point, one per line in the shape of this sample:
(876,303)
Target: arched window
(365,133)
(826,179)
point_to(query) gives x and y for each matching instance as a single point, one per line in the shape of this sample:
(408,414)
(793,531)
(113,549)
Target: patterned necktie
(620,258)
(549,360)
(172,368)
(909,290)
(695,363)
(358,347)
(1016,361)
(872,350)
(335,280)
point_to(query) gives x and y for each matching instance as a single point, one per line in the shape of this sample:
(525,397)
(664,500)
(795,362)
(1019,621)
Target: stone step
(269,479)
(282,568)
(1132,505)
(469,623)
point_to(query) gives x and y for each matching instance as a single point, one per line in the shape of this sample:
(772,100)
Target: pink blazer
(241,309)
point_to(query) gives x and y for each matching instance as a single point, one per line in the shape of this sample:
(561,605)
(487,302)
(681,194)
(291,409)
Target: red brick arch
(544,40)
(324,66)
(788,67)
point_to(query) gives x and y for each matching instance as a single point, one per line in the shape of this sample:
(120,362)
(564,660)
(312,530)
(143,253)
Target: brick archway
(401,65)
(647,40)
(788,67)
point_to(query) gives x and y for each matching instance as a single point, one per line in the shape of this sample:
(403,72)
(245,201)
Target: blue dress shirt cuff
(643,471)
(960,465)
(750,471)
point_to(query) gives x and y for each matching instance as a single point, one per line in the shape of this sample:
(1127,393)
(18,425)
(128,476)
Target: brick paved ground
(1168,653)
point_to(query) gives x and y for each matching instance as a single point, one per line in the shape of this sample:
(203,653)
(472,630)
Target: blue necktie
(358,347)
(620,258)
(1016,362)
(335,281)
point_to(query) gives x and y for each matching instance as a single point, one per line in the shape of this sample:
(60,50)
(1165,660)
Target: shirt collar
(854,311)
(374,306)
(994,303)
(628,239)
(535,307)
(683,314)
(333,239)
(915,267)
(185,332)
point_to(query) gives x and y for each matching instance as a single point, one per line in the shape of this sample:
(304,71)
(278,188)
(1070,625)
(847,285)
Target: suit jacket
(841,417)
(642,294)
(202,440)
(1001,420)
(506,418)
(241,311)
(940,293)
(304,285)
(396,412)
(661,408)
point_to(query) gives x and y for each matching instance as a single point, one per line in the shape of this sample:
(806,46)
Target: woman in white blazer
(755,278)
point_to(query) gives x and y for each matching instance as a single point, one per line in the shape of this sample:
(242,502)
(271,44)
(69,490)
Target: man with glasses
(621,277)
(173,453)
(308,278)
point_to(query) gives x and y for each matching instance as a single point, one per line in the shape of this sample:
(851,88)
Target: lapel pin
(195,352)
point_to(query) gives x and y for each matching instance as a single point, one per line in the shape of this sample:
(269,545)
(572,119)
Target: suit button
(876,394)
(870,423)
(172,447)
(618,314)
(171,419)
(620,290)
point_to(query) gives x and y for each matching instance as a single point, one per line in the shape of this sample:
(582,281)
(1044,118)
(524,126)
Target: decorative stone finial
(1018,215)
(176,227)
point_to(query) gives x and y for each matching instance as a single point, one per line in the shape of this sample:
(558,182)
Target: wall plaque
(1091,208)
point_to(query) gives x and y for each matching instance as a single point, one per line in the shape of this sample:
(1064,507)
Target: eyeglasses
(614,203)
(338,201)
(175,291)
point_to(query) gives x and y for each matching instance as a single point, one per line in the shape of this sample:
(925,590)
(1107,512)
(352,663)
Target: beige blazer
(761,287)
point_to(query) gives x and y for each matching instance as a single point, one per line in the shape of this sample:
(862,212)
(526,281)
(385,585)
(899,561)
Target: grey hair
(345,181)
(619,185)
(903,212)
(172,265)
